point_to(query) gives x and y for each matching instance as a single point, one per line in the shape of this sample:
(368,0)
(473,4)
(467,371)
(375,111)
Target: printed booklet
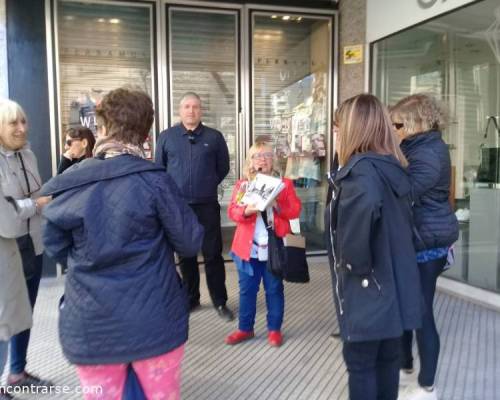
(262,191)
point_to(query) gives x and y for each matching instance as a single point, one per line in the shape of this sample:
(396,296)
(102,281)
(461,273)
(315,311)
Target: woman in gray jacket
(15,309)
(20,180)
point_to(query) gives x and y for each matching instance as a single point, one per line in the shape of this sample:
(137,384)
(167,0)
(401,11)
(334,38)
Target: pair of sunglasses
(69,142)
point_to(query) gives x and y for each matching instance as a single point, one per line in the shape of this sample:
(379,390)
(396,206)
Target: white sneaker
(417,392)
(407,377)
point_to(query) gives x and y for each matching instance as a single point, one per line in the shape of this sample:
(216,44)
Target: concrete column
(4,75)
(352,31)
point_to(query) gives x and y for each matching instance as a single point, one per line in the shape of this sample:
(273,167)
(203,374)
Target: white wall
(385,17)
(4,82)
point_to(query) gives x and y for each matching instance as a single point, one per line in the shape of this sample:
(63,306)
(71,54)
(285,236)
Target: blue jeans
(427,336)
(373,369)
(19,343)
(4,346)
(275,297)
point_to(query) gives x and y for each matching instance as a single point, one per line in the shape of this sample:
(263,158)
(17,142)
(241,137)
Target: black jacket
(116,223)
(197,162)
(430,176)
(374,269)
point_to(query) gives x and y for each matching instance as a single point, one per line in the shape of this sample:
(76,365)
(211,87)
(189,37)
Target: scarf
(110,147)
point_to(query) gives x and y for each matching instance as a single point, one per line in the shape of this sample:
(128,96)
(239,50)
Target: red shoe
(275,338)
(238,337)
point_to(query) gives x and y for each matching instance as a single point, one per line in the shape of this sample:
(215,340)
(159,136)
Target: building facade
(273,69)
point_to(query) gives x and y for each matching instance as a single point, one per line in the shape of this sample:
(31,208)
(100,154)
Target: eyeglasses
(258,156)
(398,125)
(69,142)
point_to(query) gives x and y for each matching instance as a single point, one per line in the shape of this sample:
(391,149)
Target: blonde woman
(418,121)
(249,248)
(372,259)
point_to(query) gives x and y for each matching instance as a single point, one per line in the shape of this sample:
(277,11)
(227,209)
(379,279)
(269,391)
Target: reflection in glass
(291,61)
(101,47)
(457,57)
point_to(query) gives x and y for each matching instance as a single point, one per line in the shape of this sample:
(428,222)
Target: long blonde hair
(248,171)
(364,125)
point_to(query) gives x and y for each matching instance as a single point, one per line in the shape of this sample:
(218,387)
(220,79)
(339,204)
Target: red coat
(288,207)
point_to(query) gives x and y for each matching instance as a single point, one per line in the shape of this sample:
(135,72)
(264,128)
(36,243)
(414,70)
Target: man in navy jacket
(197,159)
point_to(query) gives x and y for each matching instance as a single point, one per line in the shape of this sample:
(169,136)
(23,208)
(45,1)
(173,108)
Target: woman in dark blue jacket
(116,220)
(418,120)
(374,269)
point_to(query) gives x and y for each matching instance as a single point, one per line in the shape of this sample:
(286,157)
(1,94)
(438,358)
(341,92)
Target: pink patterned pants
(159,376)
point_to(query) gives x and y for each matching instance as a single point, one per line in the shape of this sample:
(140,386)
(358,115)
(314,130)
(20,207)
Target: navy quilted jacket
(430,176)
(116,223)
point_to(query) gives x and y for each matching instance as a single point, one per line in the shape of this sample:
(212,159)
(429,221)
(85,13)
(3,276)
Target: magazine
(262,191)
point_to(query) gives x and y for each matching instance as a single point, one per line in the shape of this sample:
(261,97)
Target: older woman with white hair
(21,182)
(15,310)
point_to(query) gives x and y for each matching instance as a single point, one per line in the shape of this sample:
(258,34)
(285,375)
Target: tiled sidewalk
(308,366)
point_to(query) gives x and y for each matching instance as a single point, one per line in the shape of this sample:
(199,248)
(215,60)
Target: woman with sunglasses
(249,248)
(418,120)
(78,145)
(21,182)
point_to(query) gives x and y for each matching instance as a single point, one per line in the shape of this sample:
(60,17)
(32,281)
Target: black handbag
(25,243)
(286,257)
(28,255)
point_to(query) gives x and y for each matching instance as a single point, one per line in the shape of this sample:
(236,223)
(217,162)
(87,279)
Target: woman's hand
(42,201)
(250,210)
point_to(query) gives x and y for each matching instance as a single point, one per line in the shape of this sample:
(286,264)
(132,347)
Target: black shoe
(30,380)
(194,306)
(335,335)
(225,313)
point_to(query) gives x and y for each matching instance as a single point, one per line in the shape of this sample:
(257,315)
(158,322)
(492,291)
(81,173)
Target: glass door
(291,103)
(203,57)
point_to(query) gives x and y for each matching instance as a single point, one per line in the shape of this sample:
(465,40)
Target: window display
(457,58)
(290,94)
(101,47)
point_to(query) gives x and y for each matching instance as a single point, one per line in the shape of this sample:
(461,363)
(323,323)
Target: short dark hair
(127,115)
(82,132)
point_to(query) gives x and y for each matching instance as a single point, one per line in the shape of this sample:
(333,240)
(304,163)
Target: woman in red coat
(249,248)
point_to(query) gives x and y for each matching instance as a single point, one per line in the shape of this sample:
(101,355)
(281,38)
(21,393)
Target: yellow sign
(353,54)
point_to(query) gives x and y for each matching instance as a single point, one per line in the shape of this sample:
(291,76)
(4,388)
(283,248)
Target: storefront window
(204,59)
(101,47)
(290,81)
(457,58)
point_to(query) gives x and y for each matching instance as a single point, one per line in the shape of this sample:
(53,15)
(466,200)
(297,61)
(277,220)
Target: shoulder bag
(286,256)
(25,243)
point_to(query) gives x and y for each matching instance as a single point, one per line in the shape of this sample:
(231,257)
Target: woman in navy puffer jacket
(418,120)
(116,220)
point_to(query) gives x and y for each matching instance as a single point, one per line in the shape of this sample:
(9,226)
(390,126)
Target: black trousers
(209,217)
(373,369)
(428,343)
